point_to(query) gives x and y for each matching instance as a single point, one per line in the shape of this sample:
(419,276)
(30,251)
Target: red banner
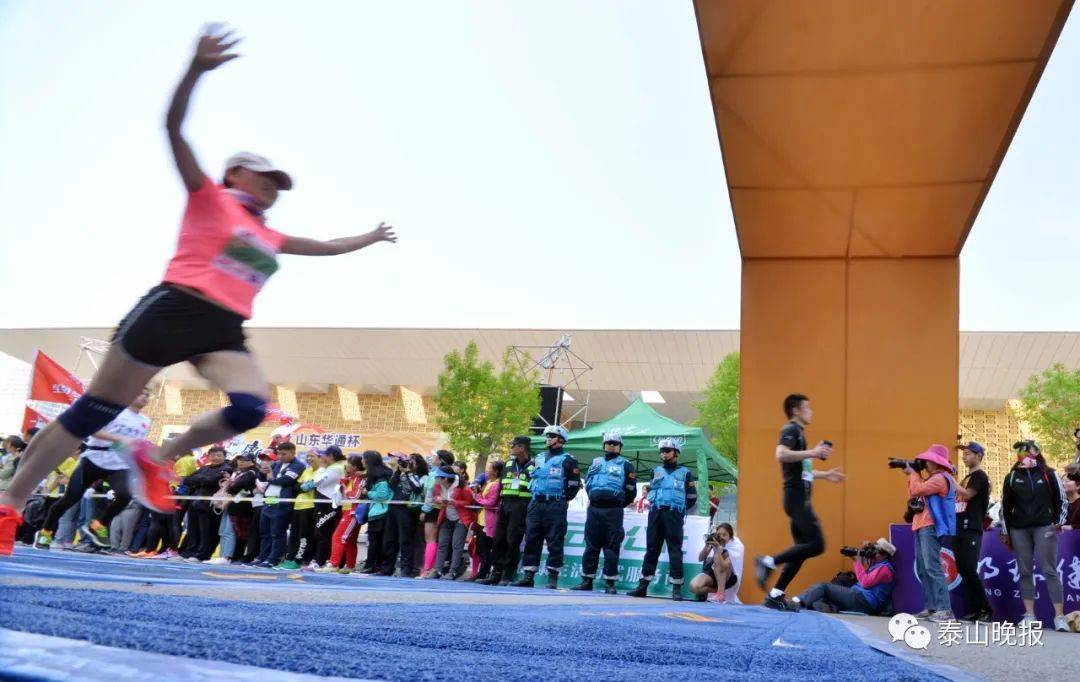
(52,389)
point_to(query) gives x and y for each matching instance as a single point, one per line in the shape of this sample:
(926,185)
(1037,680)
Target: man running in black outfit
(799,475)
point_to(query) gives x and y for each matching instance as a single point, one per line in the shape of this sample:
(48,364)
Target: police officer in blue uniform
(611,484)
(672,493)
(554,482)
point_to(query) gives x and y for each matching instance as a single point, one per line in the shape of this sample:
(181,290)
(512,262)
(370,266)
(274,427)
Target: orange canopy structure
(860,138)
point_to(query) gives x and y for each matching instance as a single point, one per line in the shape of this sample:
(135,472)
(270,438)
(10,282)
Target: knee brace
(245,411)
(88,415)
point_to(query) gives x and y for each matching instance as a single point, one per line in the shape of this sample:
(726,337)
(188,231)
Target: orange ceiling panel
(868,127)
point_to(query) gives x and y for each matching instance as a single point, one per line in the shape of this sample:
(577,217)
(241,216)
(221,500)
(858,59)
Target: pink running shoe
(10,520)
(149,478)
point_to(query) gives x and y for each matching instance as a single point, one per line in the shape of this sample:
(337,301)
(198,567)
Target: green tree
(718,413)
(481,409)
(1050,404)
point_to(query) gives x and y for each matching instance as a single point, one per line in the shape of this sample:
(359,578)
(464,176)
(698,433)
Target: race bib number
(961,506)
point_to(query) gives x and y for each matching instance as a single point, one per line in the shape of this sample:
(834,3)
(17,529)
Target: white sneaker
(1029,619)
(326,569)
(193,560)
(1060,624)
(218,561)
(942,617)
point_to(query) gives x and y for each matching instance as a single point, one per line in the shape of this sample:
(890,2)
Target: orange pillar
(874,342)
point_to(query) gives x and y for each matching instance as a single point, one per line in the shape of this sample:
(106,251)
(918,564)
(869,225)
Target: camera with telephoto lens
(868,550)
(897,463)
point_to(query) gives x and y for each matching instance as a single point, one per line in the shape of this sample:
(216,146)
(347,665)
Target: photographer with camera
(721,568)
(1033,510)
(972,501)
(935,519)
(874,572)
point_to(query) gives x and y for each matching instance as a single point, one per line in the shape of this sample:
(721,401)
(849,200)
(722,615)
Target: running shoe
(310,568)
(1060,624)
(96,533)
(262,564)
(287,565)
(43,540)
(10,520)
(345,571)
(942,617)
(780,604)
(1029,619)
(193,560)
(217,561)
(149,478)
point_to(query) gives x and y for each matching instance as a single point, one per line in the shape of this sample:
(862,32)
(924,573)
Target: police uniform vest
(668,488)
(549,478)
(516,483)
(606,476)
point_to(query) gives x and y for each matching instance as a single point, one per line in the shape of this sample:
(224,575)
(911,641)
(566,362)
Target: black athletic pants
(326,521)
(302,536)
(665,527)
(85,475)
(966,546)
(509,532)
(805,531)
(545,522)
(603,530)
(398,540)
(209,531)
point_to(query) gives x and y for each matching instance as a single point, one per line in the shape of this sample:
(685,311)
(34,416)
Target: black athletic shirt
(970,514)
(793,437)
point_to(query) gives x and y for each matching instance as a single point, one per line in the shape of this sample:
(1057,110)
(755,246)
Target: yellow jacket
(305,500)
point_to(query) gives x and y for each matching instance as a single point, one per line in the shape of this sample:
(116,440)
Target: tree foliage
(481,409)
(718,413)
(1050,404)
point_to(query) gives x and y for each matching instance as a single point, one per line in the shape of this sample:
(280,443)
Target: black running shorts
(168,326)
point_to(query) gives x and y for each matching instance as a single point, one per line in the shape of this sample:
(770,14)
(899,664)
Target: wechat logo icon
(904,626)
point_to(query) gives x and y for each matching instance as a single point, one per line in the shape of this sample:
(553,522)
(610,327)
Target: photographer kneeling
(721,568)
(870,595)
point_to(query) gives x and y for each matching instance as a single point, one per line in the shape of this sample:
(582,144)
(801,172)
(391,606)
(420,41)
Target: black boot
(526,580)
(553,580)
(641,590)
(676,592)
(610,589)
(585,586)
(493,578)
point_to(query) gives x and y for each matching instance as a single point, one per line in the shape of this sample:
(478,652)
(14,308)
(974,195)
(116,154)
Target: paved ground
(384,628)
(1055,659)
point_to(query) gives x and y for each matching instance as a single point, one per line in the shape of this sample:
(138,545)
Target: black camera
(867,551)
(916,464)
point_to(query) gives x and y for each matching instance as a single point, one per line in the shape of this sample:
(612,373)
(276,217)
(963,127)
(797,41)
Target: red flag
(52,389)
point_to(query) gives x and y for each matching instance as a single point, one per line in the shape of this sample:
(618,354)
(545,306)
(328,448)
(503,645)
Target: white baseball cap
(259,164)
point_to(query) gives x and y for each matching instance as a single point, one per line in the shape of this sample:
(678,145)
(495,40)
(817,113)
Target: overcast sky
(547,164)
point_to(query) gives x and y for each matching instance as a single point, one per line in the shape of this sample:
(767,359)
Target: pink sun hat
(938,454)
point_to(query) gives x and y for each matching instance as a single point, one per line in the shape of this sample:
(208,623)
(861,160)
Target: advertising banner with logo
(52,390)
(998,571)
(632,553)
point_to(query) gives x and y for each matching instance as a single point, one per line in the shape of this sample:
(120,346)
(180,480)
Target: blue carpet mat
(656,640)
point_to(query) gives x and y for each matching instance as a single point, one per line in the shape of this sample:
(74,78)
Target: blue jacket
(610,481)
(943,510)
(670,487)
(878,595)
(556,475)
(285,477)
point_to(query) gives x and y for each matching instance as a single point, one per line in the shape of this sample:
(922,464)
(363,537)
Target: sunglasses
(667,450)
(551,435)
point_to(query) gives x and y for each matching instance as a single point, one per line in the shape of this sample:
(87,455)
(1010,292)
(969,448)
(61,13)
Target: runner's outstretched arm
(301,246)
(211,52)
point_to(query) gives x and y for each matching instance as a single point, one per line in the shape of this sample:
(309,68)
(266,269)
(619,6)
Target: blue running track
(399,629)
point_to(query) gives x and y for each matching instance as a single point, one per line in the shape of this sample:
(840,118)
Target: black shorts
(168,326)
(707,569)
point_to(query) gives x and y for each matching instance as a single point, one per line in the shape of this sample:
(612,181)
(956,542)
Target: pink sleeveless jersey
(223,252)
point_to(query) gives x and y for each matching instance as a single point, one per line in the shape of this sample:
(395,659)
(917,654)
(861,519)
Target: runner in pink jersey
(224,255)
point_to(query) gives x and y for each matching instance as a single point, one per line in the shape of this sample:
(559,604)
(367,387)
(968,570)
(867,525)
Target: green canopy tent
(642,427)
